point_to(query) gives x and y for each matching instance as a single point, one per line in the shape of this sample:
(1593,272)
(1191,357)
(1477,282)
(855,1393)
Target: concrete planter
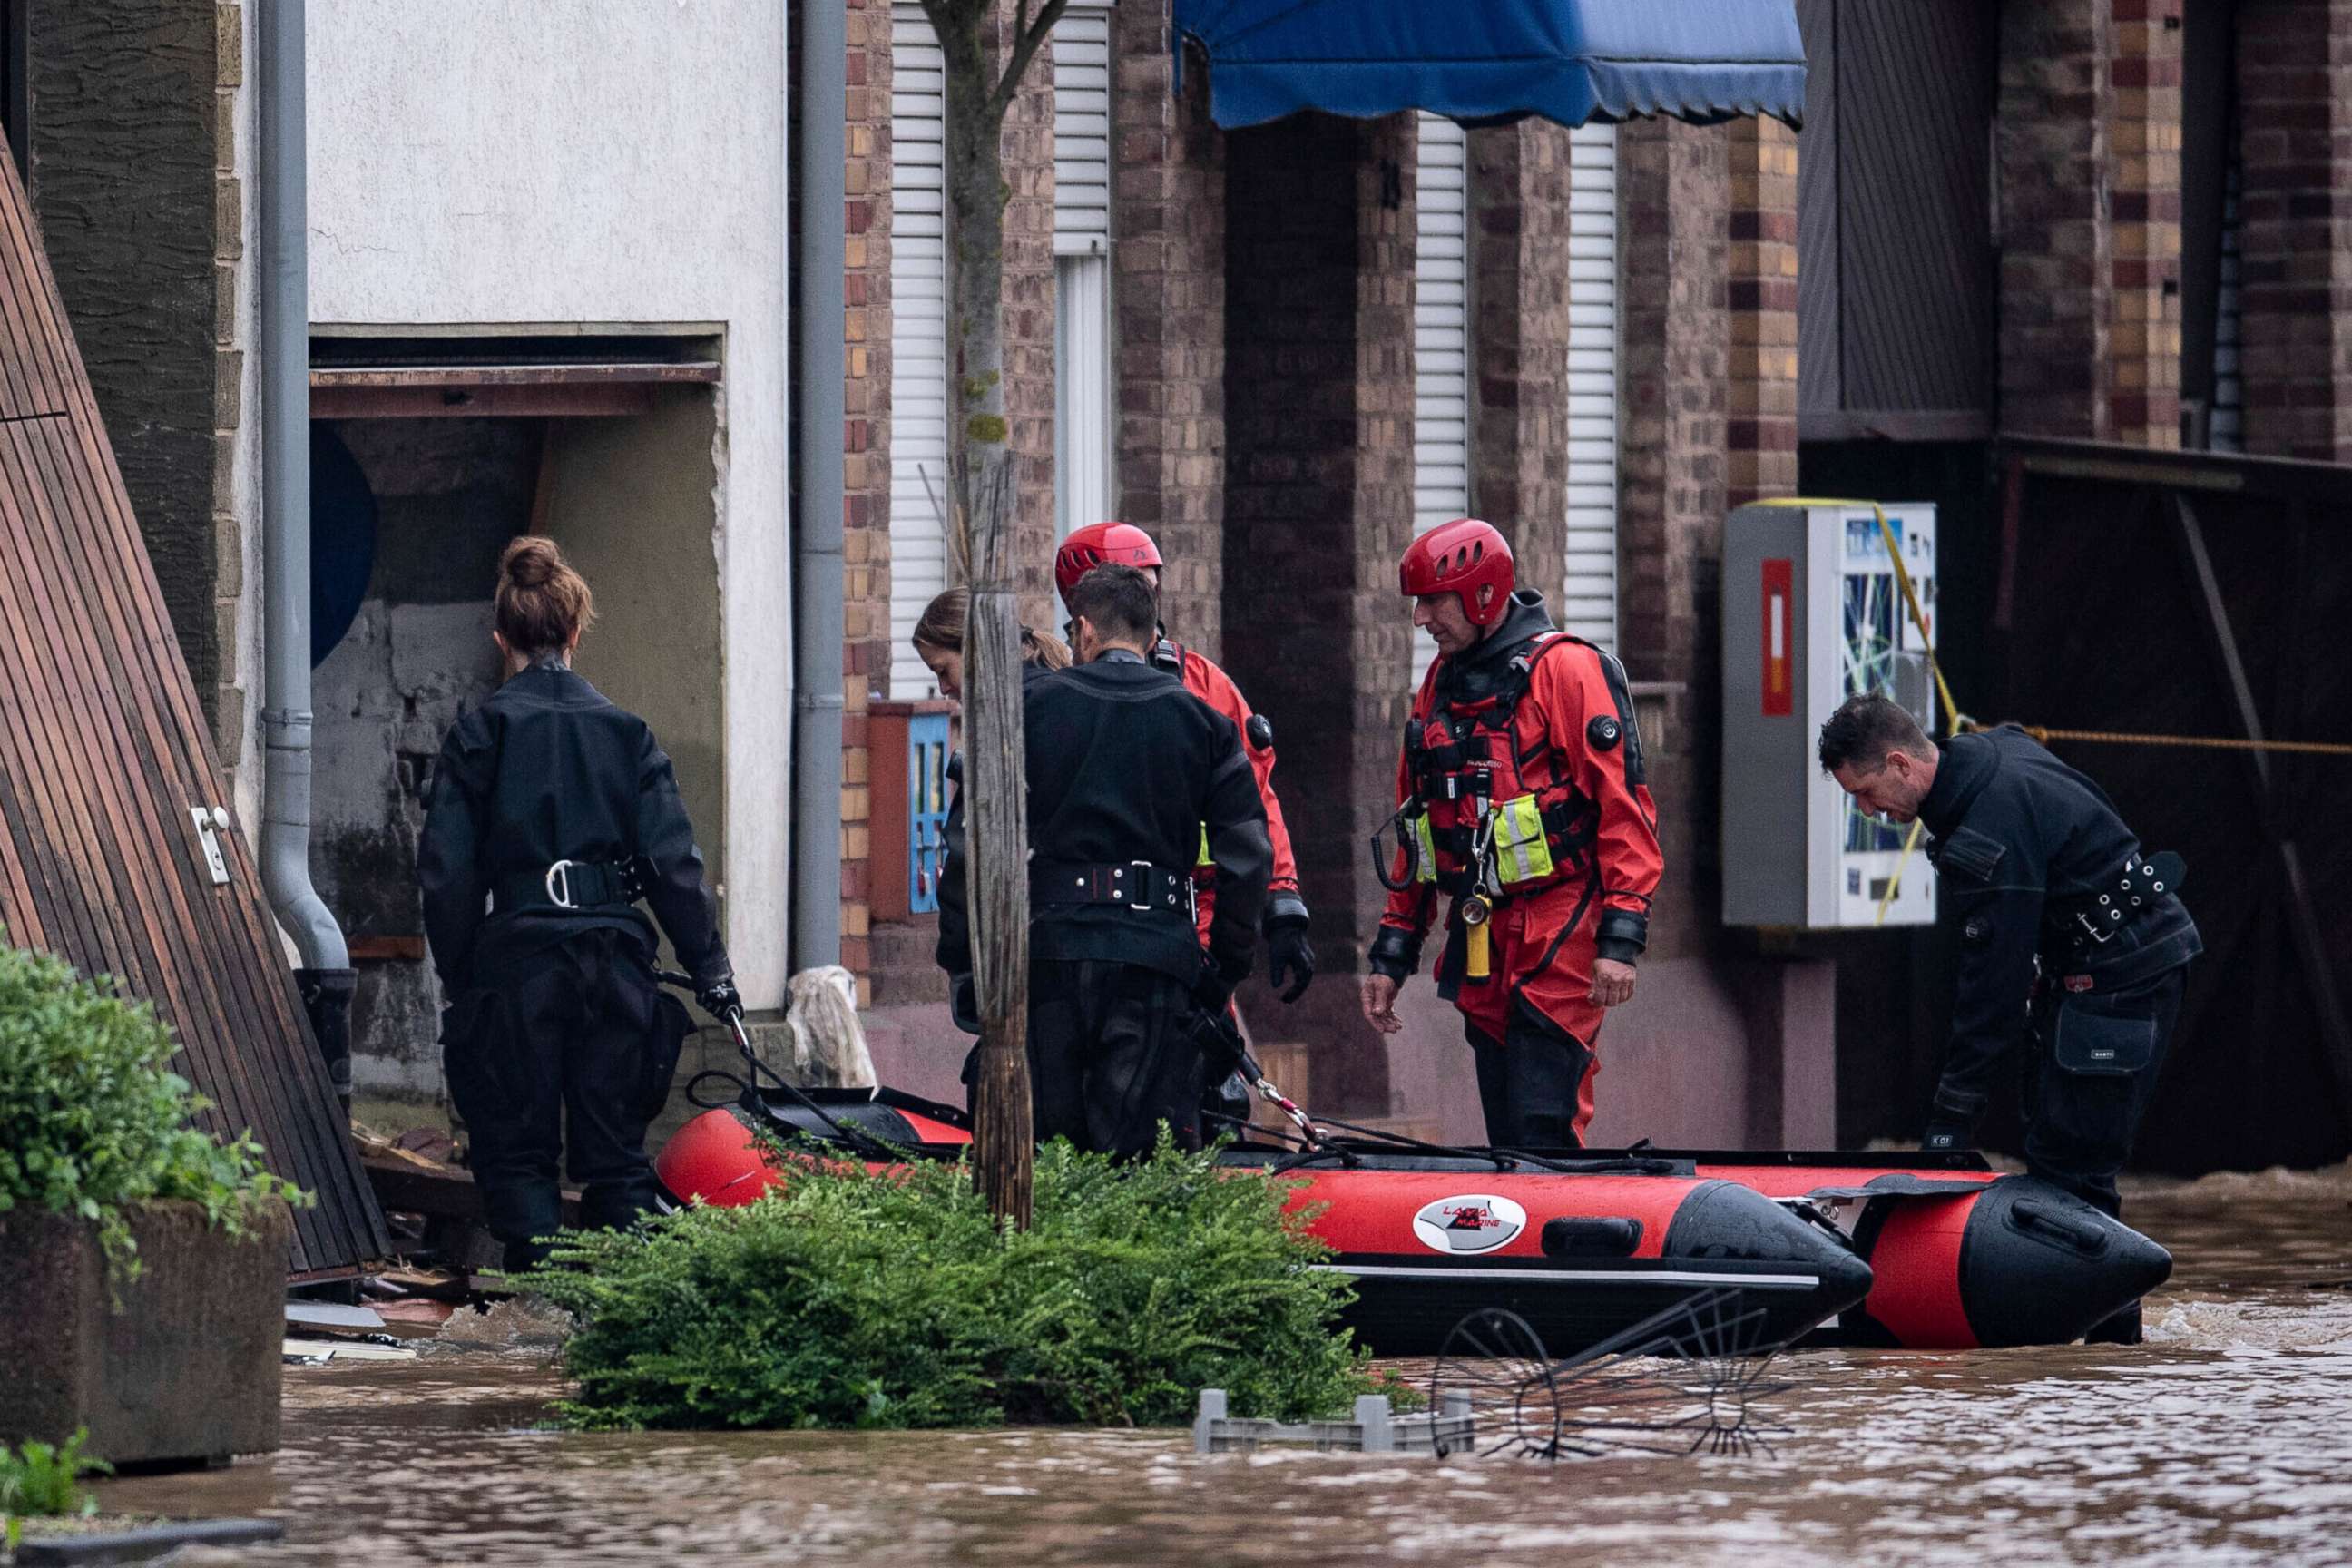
(178,1366)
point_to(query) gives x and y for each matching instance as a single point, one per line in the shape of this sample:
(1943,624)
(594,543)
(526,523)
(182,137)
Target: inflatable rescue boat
(1941,1255)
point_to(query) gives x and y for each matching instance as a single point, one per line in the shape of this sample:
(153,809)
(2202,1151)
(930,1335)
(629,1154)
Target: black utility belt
(566,885)
(1136,885)
(2144,888)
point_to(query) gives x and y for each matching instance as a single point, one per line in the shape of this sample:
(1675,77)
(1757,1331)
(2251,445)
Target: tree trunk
(997,796)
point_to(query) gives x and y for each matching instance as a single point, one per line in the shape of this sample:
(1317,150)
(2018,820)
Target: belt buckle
(558,883)
(2091,928)
(1138,898)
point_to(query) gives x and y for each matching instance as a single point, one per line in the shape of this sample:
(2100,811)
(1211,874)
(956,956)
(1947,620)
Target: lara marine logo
(1476,1222)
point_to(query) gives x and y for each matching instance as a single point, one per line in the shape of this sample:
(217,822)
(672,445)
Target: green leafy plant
(856,1298)
(91,1121)
(42,1480)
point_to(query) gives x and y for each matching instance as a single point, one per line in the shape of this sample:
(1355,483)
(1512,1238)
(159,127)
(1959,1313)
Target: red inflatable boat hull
(1934,1256)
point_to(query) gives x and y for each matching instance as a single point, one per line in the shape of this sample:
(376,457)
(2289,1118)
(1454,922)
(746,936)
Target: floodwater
(2226,1439)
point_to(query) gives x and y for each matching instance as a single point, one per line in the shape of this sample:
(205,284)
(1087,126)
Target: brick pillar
(2143,399)
(866,449)
(2295,92)
(1761,435)
(1318,418)
(2050,146)
(134,179)
(1168,215)
(1674,195)
(2088,155)
(1519,188)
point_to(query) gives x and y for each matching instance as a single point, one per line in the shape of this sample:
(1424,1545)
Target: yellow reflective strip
(1204,859)
(1519,844)
(1428,846)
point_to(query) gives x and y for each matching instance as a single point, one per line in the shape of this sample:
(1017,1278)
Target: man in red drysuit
(1284,920)
(1522,799)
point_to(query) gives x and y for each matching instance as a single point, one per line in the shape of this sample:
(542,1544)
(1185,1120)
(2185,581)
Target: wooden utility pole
(997,806)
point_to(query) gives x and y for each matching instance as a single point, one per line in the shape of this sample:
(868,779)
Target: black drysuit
(1127,772)
(554,1013)
(2026,847)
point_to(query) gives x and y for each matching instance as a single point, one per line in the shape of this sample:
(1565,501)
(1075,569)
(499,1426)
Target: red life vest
(1488,762)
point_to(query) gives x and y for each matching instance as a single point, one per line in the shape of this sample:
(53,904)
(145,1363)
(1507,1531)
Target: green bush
(90,1122)
(855,1299)
(41,1481)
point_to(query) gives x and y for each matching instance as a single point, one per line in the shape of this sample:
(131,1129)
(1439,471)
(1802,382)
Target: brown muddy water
(2227,1439)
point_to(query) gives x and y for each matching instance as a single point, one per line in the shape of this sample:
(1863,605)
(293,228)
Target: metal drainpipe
(819,237)
(283,307)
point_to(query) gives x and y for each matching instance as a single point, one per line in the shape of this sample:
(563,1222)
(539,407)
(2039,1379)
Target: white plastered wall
(520,165)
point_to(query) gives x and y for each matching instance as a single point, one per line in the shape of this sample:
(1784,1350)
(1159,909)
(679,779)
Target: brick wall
(2050,143)
(144,217)
(231,677)
(2295,90)
(866,450)
(1519,191)
(1760,437)
(1168,217)
(1674,197)
(2088,180)
(2144,68)
(1028,153)
(1317,480)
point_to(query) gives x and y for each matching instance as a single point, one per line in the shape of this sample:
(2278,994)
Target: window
(1084,398)
(918,337)
(1441,340)
(1588,604)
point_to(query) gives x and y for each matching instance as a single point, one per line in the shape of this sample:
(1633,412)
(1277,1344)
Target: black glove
(721,999)
(1952,1121)
(1287,952)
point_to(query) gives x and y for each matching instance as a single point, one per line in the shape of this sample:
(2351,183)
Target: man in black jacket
(1125,769)
(2059,907)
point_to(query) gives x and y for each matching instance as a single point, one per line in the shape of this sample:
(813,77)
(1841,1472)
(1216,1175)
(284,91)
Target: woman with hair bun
(552,814)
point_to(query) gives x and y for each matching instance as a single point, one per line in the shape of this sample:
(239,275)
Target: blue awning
(1495,60)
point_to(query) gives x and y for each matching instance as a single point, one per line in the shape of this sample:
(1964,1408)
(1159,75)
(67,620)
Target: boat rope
(1958,723)
(2045,734)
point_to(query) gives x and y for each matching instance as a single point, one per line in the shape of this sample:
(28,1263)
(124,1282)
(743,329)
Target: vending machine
(1812,613)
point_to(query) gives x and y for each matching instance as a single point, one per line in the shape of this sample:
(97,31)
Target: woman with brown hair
(938,643)
(553,813)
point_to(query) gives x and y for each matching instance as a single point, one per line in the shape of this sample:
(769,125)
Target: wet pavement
(2226,1439)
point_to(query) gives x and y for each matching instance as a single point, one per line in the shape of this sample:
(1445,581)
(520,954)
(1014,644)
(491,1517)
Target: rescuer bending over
(2069,936)
(1522,800)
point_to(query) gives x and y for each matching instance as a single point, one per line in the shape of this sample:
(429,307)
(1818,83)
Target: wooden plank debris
(105,761)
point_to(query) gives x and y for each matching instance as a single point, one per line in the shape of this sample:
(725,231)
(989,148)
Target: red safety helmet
(1466,557)
(1091,546)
